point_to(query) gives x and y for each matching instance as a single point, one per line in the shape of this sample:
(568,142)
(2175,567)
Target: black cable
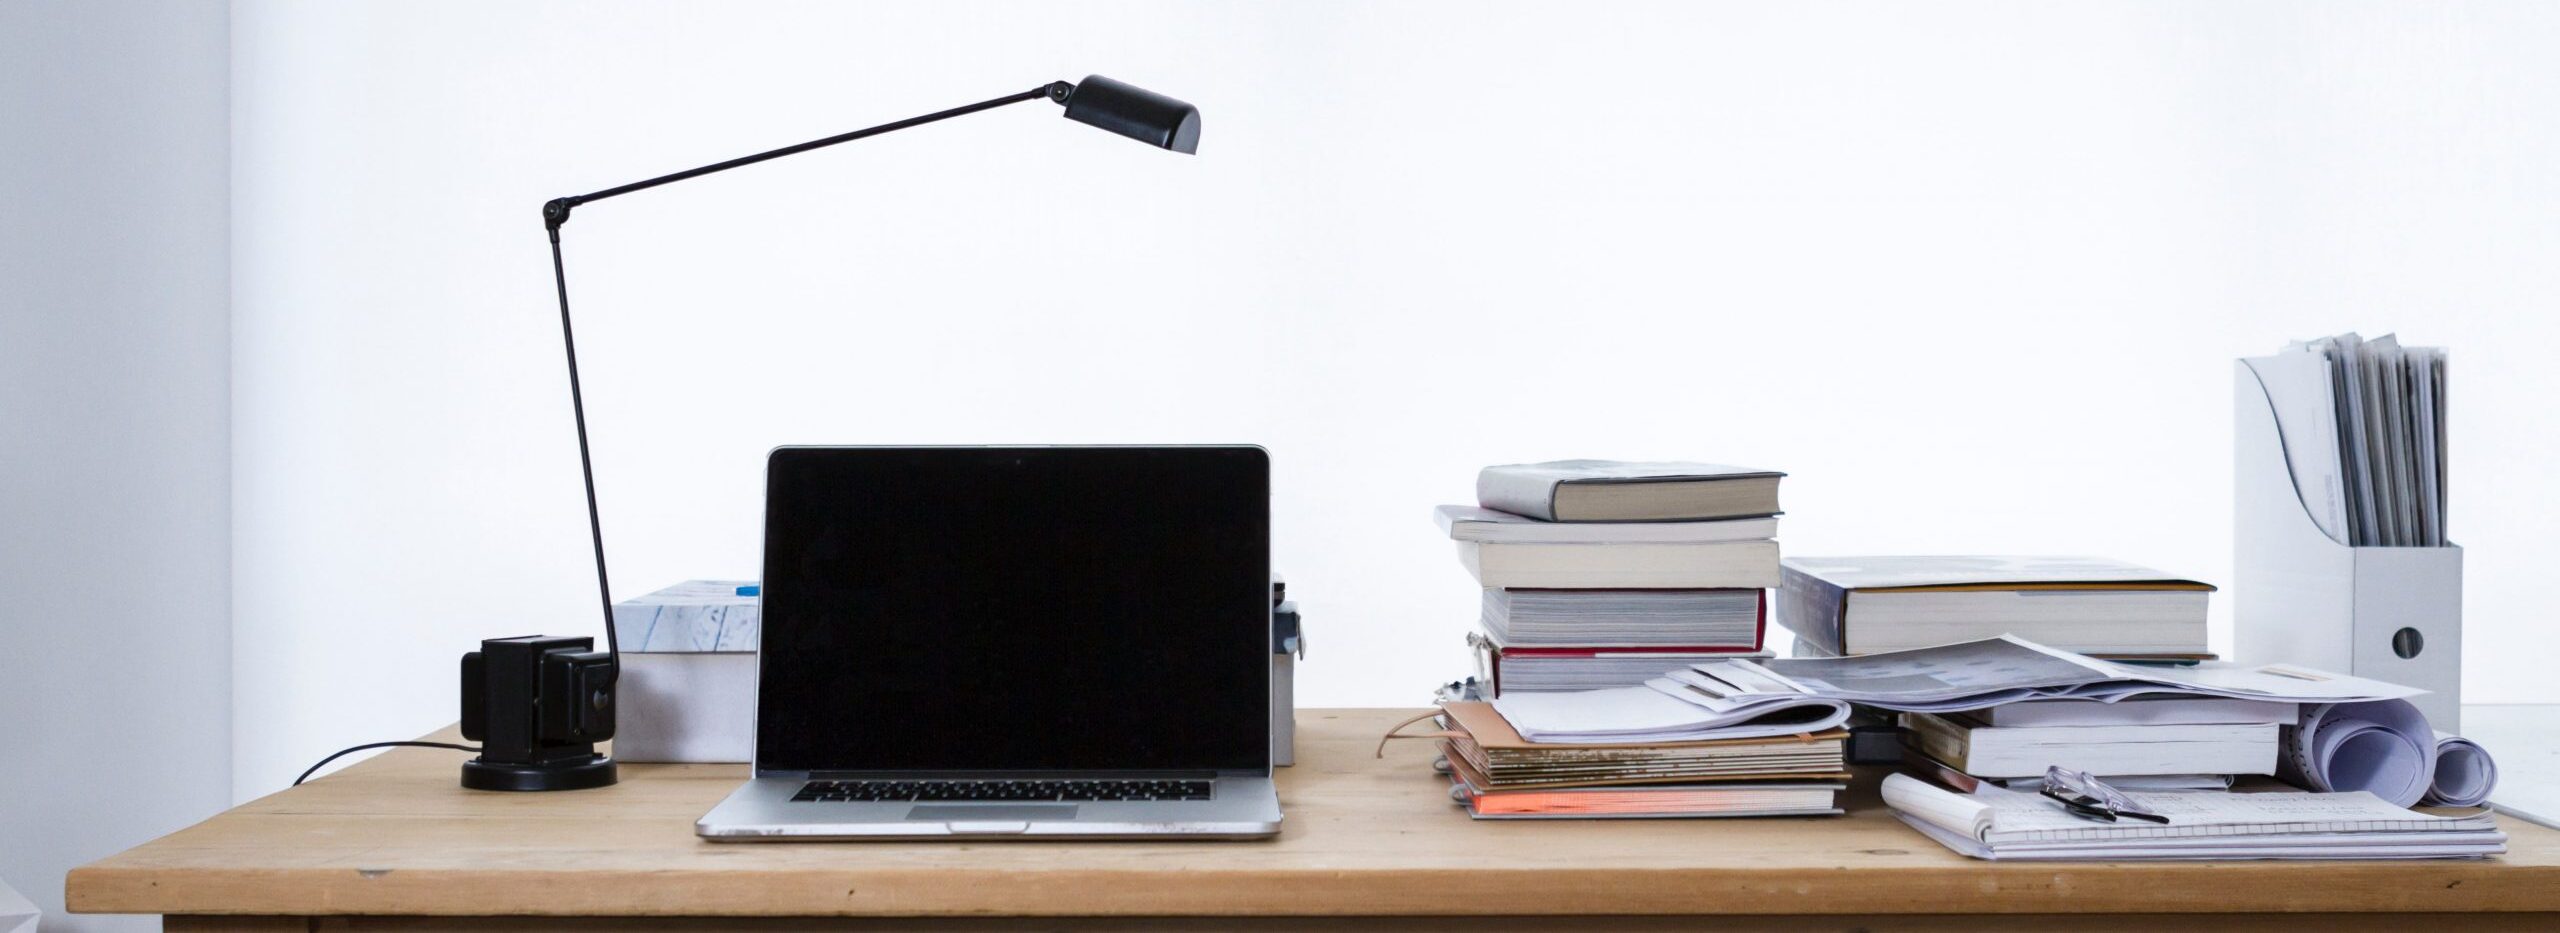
(343,752)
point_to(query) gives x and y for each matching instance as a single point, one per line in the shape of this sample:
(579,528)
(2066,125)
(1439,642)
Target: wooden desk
(394,843)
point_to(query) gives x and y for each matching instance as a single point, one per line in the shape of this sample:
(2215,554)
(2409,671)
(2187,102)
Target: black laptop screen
(1015,609)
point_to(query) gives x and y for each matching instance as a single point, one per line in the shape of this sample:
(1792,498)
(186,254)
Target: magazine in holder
(2304,597)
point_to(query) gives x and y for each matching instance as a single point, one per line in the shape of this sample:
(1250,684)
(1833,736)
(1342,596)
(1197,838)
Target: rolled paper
(2383,746)
(2464,775)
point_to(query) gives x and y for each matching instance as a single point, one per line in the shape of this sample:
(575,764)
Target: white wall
(1973,273)
(114,448)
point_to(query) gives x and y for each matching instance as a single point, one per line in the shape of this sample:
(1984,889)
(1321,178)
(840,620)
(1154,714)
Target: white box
(697,706)
(2302,597)
(687,691)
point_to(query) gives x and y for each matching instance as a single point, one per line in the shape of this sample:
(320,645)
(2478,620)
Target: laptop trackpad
(991,812)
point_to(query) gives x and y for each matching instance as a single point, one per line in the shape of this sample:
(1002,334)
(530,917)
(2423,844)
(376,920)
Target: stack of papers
(1485,743)
(1725,619)
(2351,733)
(1498,774)
(1996,671)
(1995,823)
(2372,472)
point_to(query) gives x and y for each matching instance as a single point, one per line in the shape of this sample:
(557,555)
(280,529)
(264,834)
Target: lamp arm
(556,212)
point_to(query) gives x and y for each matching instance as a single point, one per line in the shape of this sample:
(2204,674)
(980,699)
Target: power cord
(343,752)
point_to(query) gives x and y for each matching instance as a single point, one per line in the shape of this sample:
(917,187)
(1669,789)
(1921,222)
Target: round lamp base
(573,774)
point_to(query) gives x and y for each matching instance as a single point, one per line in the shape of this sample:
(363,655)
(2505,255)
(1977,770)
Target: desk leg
(203,924)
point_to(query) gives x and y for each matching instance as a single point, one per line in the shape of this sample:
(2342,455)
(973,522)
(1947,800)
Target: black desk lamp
(538,704)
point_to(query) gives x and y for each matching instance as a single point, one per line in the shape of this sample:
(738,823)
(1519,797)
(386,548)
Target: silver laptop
(1016,642)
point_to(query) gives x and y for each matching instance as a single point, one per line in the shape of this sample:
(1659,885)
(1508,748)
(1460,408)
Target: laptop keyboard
(1003,790)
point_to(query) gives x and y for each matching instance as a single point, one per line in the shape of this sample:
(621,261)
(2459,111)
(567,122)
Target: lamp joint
(556,212)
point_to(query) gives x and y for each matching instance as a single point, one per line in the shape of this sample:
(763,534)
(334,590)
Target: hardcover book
(1867,605)
(1620,491)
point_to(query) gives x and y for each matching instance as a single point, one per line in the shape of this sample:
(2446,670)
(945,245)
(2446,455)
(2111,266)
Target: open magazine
(1978,674)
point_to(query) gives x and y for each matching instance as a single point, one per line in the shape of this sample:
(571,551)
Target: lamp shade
(1135,112)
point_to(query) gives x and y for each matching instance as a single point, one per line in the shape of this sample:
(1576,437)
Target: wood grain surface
(397,836)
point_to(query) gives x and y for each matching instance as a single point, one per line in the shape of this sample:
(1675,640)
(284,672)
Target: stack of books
(1497,774)
(1849,606)
(1601,573)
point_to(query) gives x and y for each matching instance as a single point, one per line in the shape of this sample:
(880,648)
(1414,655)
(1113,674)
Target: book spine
(1939,739)
(1760,625)
(1813,609)
(1506,491)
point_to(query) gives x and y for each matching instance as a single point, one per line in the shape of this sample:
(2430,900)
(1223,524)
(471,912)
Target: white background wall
(1973,273)
(114,449)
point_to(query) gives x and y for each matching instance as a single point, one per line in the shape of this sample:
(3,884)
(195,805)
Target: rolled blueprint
(2464,773)
(2382,746)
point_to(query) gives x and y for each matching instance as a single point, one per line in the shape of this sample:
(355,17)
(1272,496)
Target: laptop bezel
(763,541)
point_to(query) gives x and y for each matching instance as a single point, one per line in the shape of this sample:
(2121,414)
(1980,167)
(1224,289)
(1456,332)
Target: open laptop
(1012,642)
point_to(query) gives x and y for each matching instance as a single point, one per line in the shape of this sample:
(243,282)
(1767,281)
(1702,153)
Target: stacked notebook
(1497,774)
(1602,573)
(1990,822)
(1846,606)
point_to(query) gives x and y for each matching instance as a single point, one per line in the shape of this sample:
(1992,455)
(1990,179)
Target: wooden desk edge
(1791,923)
(1986,888)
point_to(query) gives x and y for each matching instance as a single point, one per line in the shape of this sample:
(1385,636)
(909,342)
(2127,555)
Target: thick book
(1474,523)
(1868,605)
(1626,618)
(1510,668)
(1619,491)
(1967,744)
(1722,565)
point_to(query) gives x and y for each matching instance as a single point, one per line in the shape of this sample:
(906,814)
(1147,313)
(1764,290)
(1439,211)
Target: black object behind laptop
(1012,641)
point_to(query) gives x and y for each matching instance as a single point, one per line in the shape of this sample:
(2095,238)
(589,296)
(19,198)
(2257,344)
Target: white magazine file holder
(2302,597)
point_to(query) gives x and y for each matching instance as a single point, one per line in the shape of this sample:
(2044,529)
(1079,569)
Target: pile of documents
(1498,773)
(1994,823)
(2105,760)
(2372,415)
(2009,708)
(1601,573)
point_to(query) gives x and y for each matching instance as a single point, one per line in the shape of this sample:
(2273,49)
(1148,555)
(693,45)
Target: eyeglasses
(2089,798)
